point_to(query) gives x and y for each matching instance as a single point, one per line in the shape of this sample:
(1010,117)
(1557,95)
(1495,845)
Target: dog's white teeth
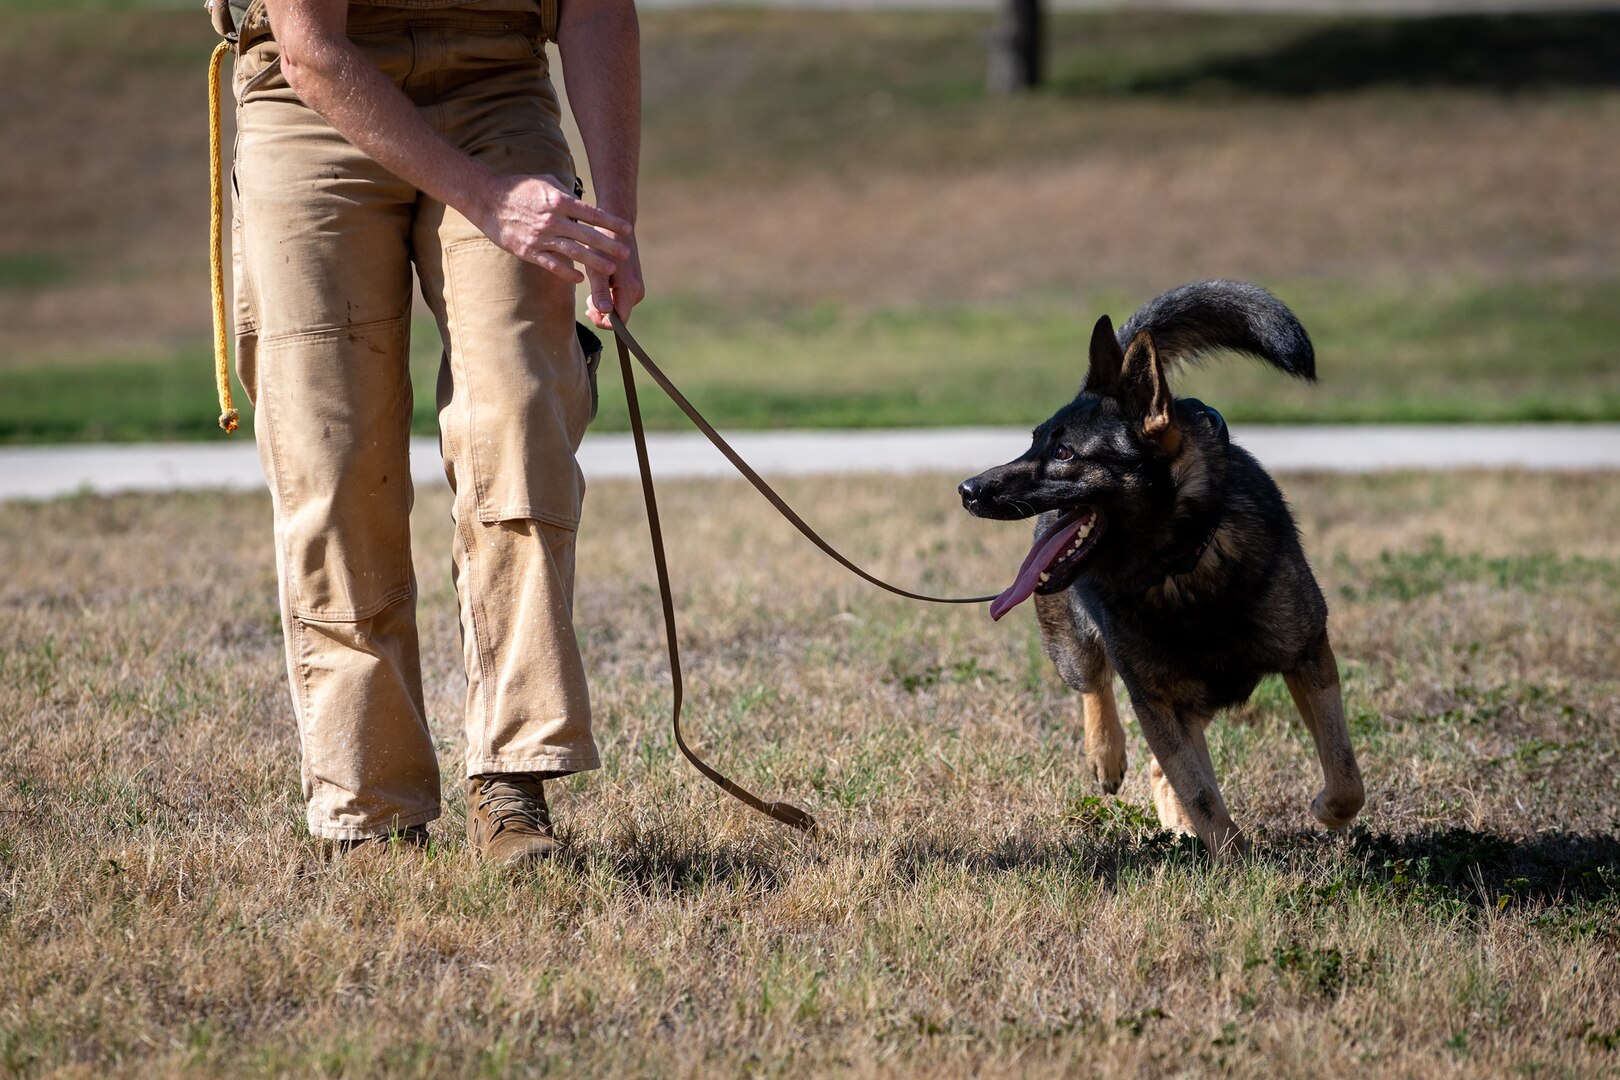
(1045,577)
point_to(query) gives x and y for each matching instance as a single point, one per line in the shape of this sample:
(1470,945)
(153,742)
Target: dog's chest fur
(1203,639)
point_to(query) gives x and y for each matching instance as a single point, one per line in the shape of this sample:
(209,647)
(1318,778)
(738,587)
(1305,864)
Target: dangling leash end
(788,814)
(227,420)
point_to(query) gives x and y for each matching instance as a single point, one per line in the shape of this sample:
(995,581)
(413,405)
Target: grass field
(839,229)
(971,907)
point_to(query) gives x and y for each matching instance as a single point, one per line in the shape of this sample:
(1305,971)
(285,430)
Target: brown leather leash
(786,813)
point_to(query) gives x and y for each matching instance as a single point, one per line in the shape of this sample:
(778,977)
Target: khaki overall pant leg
(325,240)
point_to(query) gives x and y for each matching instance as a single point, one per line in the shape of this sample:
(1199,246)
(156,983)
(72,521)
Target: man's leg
(323,236)
(514,400)
(513,404)
(511,412)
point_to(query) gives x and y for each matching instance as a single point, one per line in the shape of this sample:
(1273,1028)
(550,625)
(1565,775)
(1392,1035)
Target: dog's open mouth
(1054,560)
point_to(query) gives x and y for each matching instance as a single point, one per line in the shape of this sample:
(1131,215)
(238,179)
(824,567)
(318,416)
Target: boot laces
(514,800)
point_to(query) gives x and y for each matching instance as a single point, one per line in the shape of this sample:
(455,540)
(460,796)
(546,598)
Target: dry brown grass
(970,907)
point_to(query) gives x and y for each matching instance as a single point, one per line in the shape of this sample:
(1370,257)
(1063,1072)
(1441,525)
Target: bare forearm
(600,42)
(530,216)
(332,77)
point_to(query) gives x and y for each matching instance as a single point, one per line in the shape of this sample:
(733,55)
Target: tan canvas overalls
(324,243)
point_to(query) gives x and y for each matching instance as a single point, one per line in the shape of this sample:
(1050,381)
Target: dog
(1165,552)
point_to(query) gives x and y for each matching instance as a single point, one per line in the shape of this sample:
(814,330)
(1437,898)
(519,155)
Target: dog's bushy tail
(1193,321)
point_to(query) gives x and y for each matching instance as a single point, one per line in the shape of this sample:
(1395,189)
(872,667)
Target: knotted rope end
(216,241)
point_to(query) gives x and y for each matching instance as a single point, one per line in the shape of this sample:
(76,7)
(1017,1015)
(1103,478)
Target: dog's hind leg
(1185,791)
(1320,700)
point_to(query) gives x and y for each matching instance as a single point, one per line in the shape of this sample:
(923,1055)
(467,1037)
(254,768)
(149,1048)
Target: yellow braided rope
(216,242)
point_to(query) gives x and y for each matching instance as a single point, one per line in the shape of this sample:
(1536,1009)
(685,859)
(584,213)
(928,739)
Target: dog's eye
(1062,453)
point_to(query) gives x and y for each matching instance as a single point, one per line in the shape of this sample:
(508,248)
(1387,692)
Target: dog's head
(1101,468)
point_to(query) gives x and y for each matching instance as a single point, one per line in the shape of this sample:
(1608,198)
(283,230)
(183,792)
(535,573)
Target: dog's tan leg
(1077,651)
(1191,794)
(1171,813)
(1317,694)
(1105,738)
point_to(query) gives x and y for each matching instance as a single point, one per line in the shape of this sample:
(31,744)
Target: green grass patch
(1444,354)
(1407,575)
(168,398)
(33,270)
(1499,353)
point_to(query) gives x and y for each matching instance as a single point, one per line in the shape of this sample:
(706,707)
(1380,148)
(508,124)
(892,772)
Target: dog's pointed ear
(1102,377)
(1145,394)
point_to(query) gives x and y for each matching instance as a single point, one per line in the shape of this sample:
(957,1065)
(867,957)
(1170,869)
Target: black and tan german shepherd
(1166,553)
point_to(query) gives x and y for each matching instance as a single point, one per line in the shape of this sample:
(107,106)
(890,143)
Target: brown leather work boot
(507,819)
(378,850)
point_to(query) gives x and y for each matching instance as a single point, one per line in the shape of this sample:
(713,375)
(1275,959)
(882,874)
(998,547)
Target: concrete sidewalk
(49,472)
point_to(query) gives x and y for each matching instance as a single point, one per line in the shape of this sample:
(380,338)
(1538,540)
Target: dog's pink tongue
(1040,556)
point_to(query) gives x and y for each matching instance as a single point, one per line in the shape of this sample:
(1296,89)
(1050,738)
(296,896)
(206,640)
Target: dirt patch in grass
(972,906)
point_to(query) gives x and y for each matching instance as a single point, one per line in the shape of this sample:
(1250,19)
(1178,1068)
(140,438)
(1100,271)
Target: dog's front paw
(1107,767)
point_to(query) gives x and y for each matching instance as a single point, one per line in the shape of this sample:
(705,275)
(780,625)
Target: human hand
(618,291)
(535,219)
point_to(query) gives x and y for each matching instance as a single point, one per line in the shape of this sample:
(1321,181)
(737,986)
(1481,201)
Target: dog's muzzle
(981,498)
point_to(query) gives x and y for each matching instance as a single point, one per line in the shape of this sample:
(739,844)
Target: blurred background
(849,220)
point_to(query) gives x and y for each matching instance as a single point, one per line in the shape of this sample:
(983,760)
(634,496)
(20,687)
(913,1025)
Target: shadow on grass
(1571,880)
(666,862)
(1454,868)
(1502,53)
(1483,868)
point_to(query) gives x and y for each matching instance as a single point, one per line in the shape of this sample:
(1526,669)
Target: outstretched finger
(592,260)
(594,238)
(580,210)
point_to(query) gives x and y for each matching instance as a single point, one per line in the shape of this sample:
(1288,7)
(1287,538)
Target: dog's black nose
(969,490)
